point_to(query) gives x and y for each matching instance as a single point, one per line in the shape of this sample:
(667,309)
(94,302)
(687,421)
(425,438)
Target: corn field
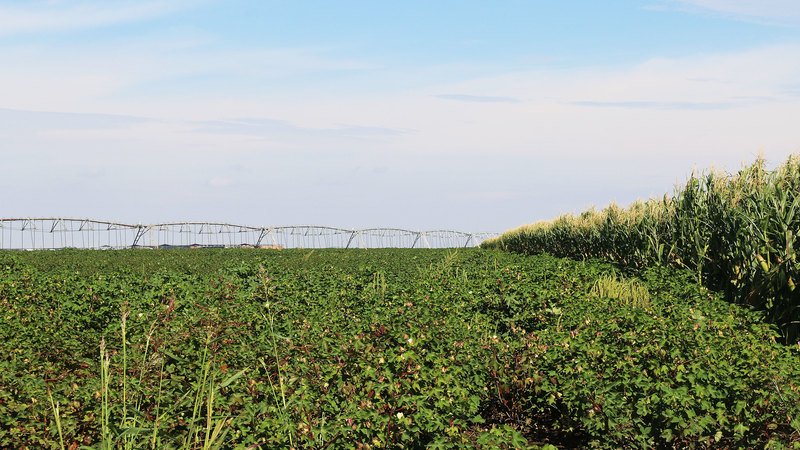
(736,232)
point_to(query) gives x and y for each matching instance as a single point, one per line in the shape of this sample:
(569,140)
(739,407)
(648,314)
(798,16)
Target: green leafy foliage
(379,349)
(737,233)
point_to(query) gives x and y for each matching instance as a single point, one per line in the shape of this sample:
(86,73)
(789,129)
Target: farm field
(737,233)
(472,348)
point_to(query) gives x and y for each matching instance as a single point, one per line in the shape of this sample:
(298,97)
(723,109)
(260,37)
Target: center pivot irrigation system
(58,233)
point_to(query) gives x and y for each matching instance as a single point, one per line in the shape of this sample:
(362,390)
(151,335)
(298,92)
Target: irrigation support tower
(60,233)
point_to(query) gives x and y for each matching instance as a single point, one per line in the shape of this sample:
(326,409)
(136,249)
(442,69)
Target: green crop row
(379,349)
(737,233)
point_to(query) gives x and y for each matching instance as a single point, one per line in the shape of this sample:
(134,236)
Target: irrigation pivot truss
(59,233)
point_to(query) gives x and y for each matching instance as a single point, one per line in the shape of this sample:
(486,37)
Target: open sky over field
(460,114)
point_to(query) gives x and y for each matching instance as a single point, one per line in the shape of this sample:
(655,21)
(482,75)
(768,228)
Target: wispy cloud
(778,12)
(19,127)
(148,70)
(56,134)
(17,119)
(689,106)
(552,130)
(220,182)
(722,81)
(271,127)
(44,16)
(477,98)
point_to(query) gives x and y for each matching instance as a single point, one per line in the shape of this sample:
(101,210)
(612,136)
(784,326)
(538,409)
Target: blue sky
(470,115)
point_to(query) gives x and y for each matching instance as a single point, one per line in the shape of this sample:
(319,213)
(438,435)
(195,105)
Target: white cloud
(661,105)
(726,79)
(572,137)
(220,182)
(771,11)
(477,98)
(103,76)
(720,103)
(61,15)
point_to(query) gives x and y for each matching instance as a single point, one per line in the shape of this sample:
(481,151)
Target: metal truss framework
(58,233)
